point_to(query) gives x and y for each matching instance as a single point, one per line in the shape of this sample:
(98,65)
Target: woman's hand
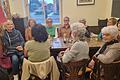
(25,52)
(91,64)
(61,54)
(19,48)
(68,49)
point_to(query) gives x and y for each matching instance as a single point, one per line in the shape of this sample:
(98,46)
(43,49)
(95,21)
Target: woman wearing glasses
(64,30)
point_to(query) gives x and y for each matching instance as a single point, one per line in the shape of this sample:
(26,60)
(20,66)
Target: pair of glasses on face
(106,34)
(49,21)
(66,20)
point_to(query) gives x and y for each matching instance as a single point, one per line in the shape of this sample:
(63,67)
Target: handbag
(5,61)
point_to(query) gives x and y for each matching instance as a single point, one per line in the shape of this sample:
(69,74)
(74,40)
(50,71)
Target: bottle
(64,38)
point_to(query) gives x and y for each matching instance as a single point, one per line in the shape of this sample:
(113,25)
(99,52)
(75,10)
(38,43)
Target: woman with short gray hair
(80,49)
(109,54)
(111,30)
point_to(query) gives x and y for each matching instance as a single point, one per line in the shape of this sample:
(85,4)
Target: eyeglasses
(66,20)
(105,34)
(49,21)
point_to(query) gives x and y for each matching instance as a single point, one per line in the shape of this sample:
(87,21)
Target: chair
(40,69)
(74,68)
(109,71)
(102,22)
(3,74)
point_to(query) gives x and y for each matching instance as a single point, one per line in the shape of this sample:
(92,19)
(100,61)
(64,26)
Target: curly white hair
(112,30)
(79,29)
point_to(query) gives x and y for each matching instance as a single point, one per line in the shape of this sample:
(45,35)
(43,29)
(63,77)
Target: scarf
(103,48)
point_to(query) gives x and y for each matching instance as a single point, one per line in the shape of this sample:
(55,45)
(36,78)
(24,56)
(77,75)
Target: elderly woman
(80,48)
(50,28)
(13,42)
(111,22)
(37,50)
(109,54)
(28,35)
(64,30)
(88,33)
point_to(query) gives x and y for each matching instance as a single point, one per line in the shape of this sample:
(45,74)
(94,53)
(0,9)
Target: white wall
(109,8)
(90,12)
(18,6)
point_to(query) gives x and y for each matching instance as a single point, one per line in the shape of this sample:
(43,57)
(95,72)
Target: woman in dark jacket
(13,42)
(108,55)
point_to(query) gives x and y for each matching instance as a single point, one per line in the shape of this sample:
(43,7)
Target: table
(58,45)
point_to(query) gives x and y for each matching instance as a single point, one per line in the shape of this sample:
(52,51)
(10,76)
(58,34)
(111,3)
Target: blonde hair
(113,19)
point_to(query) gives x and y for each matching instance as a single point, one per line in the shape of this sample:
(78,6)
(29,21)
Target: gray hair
(79,29)
(82,19)
(112,30)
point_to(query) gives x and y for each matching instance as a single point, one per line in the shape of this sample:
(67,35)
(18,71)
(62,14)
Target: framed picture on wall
(85,2)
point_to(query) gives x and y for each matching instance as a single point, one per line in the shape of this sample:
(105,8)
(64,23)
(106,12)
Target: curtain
(2,17)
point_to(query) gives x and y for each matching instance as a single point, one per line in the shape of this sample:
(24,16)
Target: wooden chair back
(73,69)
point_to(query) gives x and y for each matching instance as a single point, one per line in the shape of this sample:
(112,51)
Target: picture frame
(85,2)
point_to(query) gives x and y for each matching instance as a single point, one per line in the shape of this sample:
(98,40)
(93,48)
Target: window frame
(60,13)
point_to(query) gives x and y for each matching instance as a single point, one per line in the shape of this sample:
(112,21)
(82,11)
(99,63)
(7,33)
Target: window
(42,9)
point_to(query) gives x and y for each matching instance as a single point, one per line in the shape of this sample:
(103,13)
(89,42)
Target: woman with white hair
(80,48)
(109,54)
